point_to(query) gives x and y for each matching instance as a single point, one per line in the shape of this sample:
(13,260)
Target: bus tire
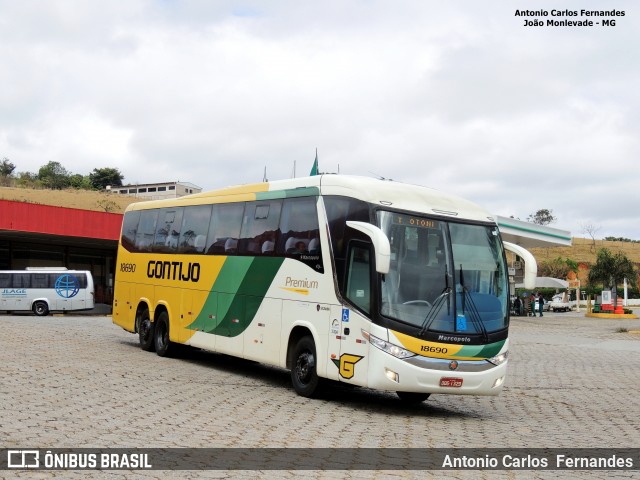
(40,308)
(161,335)
(412,398)
(146,331)
(304,376)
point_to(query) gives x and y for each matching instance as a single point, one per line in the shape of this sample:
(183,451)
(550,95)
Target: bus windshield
(444,277)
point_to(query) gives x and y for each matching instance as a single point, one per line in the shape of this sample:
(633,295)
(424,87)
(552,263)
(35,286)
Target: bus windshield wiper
(476,318)
(437,305)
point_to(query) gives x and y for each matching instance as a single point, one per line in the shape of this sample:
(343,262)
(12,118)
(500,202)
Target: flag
(314,169)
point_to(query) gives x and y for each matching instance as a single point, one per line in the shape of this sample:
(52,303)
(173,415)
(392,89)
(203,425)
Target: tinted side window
(358,288)
(5,280)
(260,227)
(224,231)
(299,227)
(82,280)
(129,229)
(168,230)
(21,280)
(40,280)
(300,237)
(339,210)
(195,225)
(146,230)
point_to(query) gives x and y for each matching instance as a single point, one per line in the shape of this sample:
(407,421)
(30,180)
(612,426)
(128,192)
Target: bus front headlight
(387,347)
(499,359)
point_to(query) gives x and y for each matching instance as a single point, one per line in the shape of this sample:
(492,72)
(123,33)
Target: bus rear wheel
(146,331)
(41,308)
(161,335)
(304,376)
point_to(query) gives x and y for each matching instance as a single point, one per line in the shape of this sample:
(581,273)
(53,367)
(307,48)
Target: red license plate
(450,382)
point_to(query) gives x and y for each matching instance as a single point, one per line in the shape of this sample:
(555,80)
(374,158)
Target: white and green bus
(363,281)
(47,289)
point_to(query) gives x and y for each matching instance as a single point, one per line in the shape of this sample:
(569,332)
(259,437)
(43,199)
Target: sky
(456,95)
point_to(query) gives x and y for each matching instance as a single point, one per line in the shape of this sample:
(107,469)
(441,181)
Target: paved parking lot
(74,381)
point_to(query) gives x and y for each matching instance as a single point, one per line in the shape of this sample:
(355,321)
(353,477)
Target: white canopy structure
(547,282)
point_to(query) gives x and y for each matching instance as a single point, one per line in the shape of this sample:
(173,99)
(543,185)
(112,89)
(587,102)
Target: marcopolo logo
(67,286)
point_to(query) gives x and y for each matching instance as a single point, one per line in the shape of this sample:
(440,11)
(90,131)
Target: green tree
(100,178)
(6,167)
(80,182)
(557,268)
(542,217)
(6,170)
(54,175)
(28,180)
(611,270)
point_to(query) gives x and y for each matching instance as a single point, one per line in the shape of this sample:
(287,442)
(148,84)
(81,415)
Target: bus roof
(386,193)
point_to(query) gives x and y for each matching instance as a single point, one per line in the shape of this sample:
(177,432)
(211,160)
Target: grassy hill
(70,198)
(584,250)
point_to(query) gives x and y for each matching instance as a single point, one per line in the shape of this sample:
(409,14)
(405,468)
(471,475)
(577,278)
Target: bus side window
(168,230)
(40,280)
(260,227)
(358,289)
(21,280)
(195,225)
(82,280)
(146,230)
(299,227)
(224,230)
(5,280)
(129,229)
(339,211)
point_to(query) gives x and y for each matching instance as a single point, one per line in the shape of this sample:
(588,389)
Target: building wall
(158,191)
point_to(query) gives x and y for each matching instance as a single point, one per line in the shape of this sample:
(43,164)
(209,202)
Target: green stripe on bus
(237,295)
(292,193)
(481,351)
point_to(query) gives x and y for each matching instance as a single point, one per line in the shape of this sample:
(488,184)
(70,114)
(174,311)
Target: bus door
(352,361)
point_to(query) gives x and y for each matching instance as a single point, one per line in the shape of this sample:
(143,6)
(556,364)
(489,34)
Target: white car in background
(560,303)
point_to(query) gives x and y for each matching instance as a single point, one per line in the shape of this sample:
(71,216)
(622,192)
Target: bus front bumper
(435,375)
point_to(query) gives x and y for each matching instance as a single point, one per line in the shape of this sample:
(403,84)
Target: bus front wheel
(303,369)
(413,398)
(161,335)
(145,331)
(41,308)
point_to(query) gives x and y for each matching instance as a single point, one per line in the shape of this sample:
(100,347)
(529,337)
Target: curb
(613,316)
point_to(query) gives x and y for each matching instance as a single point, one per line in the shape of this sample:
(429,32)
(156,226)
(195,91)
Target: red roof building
(33,235)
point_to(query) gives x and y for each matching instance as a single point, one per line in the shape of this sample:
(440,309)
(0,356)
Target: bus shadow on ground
(254,373)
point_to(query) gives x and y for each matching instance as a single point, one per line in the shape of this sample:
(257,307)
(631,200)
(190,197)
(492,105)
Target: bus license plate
(450,382)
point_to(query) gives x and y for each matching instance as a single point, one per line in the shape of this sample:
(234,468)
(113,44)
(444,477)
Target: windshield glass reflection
(444,276)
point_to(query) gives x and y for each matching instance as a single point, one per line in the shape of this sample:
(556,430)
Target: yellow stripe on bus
(430,349)
(303,291)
